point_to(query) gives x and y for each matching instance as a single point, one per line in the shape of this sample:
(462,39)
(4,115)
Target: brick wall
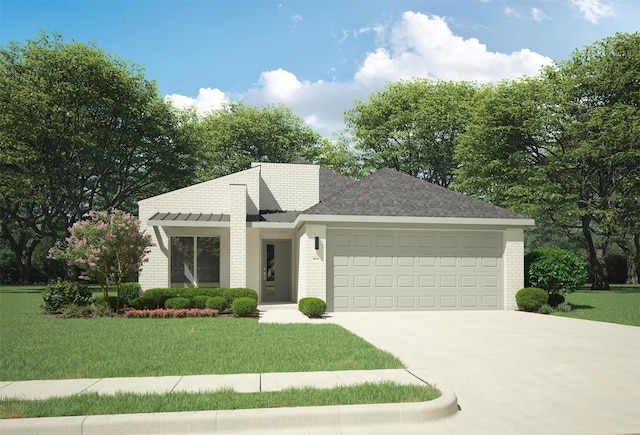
(238,235)
(513,265)
(288,186)
(313,264)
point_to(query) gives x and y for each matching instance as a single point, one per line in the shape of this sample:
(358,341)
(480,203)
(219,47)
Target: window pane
(208,261)
(182,261)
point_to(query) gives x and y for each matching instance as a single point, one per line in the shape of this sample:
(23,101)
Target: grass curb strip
(329,418)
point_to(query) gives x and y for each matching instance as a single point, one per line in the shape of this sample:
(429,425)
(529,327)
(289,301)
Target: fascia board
(511,223)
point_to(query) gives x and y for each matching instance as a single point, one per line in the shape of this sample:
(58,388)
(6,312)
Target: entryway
(276,271)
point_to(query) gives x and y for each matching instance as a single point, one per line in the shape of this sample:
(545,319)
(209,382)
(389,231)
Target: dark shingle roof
(391,193)
(332,183)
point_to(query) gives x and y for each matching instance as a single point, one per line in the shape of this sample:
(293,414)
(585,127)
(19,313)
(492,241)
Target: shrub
(178,303)
(217,303)
(128,292)
(244,306)
(102,310)
(555,299)
(531,298)
(556,270)
(546,309)
(200,301)
(312,307)
(73,311)
(564,307)
(230,294)
(160,295)
(144,303)
(60,293)
(113,302)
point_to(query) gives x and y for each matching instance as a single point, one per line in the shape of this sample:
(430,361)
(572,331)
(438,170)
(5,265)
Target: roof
(166,219)
(387,192)
(332,183)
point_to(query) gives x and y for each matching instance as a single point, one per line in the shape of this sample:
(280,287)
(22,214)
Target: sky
(318,57)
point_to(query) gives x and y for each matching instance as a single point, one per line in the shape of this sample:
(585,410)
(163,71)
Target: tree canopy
(228,140)
(565,146)
(413,127)
(79,130)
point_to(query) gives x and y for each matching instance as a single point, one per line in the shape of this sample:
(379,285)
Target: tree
(228,140)
(413,127)
(335,156)
(107,247)
(79,130)
(564,146)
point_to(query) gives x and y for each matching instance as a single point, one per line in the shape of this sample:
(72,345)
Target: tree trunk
(595,255)
(632,258)
(22,247)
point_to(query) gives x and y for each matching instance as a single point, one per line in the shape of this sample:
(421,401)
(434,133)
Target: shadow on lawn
(581,307)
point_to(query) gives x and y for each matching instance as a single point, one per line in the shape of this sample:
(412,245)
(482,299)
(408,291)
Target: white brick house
(387,242)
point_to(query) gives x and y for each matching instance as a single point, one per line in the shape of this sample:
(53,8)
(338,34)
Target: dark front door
(276,271)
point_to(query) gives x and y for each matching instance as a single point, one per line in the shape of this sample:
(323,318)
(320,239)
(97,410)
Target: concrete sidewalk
(241,383)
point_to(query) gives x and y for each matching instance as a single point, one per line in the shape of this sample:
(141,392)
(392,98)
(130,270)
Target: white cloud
(208,99)
(510,12)
(594,10)
(538,14)
(417,45)
(295,19)
(425,46)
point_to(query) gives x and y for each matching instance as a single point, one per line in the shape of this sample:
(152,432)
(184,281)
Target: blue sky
(318,56)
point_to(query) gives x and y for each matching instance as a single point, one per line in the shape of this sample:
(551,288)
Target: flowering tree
(106,247)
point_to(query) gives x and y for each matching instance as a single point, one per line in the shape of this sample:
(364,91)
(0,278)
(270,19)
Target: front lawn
(39,346)
(621,305)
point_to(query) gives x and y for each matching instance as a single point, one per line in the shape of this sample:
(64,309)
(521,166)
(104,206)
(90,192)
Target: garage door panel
(414,270)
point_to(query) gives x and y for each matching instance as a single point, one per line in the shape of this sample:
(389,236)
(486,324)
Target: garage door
(414,270)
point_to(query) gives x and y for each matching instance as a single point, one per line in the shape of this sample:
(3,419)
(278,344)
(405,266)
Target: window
(195,261)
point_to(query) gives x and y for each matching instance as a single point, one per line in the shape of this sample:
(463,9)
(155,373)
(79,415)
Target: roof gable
(387,192)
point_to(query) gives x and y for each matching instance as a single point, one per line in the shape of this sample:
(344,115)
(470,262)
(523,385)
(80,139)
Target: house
(387,242)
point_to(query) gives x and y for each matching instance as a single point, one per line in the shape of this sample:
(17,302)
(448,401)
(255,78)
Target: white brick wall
(288,186)
(513,265)
(313,265)
(238,235)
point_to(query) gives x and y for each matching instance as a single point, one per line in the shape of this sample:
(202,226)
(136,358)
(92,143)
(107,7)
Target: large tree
(228,140)
(79,130)
(413,126)
(565,146)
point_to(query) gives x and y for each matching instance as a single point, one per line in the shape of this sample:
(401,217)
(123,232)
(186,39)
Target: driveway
(515,372)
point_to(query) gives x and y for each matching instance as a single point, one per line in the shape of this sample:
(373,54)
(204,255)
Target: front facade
(388,242)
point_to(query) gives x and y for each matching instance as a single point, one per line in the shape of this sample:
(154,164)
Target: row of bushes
(157,297)
(241,306)
(312,307)
(170,314)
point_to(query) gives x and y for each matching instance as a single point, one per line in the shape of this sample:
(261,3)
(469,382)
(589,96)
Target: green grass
(129,403)
(38,346)
(621,305)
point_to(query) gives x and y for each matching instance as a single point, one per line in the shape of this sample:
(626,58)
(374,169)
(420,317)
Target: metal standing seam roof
(190,217)
(264,216)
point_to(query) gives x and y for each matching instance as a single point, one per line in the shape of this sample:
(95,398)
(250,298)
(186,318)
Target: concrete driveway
(514,372)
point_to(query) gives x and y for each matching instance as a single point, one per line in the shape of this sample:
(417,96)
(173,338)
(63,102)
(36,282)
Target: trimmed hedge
(145,303)
(113,301)
(199,301)
(312,307)
(178,303)
(244,306)
(230,294)
(531,299)
(217,303)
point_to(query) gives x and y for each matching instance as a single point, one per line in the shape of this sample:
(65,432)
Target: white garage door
(414,270)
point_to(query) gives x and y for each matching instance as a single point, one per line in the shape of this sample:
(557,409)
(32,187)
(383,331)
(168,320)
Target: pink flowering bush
(106,247)
(170,313)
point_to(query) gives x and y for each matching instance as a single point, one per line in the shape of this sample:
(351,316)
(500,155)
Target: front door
(276,270)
